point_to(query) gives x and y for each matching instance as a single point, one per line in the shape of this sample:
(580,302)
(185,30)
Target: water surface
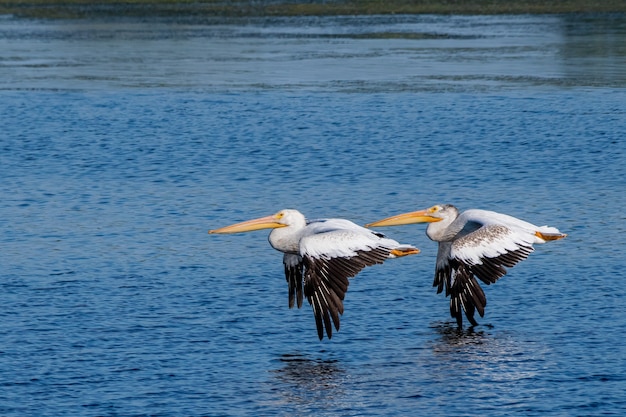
(380,53)
(124,142)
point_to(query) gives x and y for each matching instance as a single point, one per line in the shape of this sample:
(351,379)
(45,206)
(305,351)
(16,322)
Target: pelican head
(283,218)
(433,214)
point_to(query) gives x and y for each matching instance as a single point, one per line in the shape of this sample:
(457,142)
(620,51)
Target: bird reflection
(484,355)
(311,381)
(453,336)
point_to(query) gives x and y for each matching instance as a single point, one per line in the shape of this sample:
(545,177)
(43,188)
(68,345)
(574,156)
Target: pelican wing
(460,285)
(488,250)
(294,273)
(491,241)
(487,244)
(333,251)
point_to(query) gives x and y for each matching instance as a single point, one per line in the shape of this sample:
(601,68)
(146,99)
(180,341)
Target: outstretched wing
(483,249)
(294,273)
(333,251)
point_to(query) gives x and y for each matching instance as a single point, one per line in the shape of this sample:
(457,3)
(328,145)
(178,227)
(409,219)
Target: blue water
(116,301)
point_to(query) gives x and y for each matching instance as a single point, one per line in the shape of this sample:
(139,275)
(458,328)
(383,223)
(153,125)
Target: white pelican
(324,253)
(475,243)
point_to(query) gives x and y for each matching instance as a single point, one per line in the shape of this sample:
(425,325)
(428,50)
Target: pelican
(324,254)
(475,243)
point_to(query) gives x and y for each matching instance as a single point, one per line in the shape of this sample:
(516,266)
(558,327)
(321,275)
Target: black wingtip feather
(326,282)
(327,324)
(299,293)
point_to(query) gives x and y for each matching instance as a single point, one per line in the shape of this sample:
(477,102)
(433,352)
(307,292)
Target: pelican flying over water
(322,254)
(475,243)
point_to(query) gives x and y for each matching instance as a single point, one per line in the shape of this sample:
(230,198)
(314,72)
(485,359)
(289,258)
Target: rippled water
(391,53)
(124,142)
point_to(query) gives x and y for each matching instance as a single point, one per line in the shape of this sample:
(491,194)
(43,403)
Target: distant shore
(75,9)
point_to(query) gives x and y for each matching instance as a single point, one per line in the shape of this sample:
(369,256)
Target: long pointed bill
(420,216)
(268,222)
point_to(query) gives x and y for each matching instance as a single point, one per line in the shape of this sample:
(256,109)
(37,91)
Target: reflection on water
(594,48)
(489,356)
(315,383)
(350,53)
(453,336)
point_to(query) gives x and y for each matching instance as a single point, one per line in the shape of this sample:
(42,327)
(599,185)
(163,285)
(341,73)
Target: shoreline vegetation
(76,9)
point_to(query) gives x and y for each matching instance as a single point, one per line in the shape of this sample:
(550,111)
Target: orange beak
(268,222)
(421,216)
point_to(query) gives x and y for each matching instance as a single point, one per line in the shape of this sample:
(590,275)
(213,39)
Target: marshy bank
(249,8)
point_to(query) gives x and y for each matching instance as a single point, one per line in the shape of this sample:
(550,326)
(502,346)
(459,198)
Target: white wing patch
(336,244)
(489,241)
(340,238)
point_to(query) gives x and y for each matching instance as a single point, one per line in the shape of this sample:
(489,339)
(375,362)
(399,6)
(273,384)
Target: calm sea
(123,142)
